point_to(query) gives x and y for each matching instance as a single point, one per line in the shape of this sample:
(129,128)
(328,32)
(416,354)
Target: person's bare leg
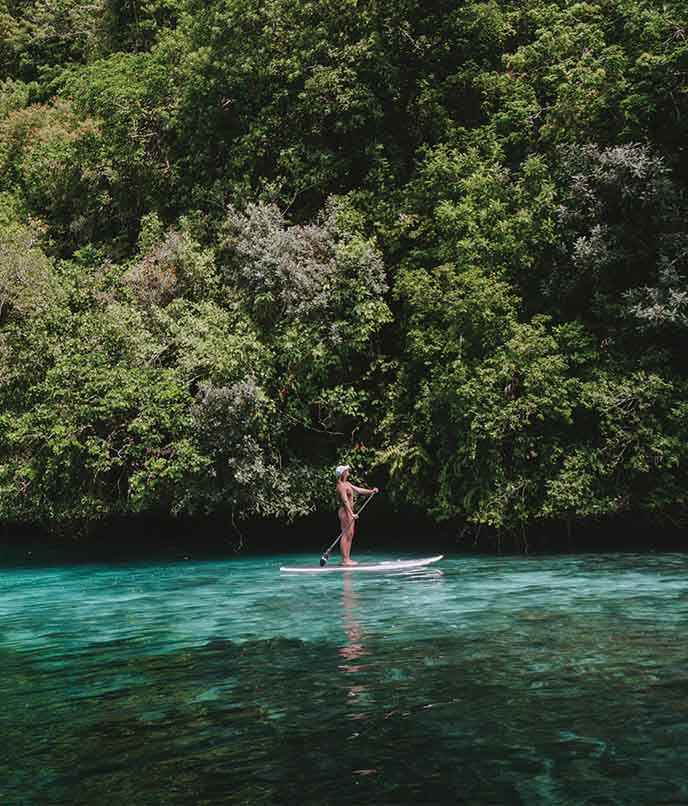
(344,549)
(345,543)
(347,539)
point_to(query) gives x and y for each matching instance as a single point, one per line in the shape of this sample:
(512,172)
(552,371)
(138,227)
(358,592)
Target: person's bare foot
(349,562)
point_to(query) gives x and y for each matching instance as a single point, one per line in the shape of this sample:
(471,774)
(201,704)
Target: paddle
(326,554)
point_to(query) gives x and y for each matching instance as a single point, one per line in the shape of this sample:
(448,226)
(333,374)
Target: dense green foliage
(241,241)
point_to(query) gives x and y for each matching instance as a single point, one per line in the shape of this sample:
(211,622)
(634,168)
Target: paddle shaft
(326,554)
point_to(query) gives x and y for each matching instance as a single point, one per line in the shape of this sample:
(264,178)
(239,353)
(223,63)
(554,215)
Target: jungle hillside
(242,241)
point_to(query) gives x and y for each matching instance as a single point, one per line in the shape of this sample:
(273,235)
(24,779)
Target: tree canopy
(243,241)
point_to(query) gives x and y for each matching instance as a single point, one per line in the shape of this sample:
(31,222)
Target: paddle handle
(326,554)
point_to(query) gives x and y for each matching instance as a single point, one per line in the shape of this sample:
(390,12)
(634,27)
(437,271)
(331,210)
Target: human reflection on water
(353,650)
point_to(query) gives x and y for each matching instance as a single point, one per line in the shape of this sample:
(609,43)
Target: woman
(347,518)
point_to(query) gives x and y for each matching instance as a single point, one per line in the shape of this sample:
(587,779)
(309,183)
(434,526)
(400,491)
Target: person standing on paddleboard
(347,517)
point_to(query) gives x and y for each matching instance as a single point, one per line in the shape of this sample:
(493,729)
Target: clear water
(541,680)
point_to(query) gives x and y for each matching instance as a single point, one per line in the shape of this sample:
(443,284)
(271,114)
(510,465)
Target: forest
(242,241)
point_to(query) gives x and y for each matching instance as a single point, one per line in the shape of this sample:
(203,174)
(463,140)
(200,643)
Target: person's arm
(363,491)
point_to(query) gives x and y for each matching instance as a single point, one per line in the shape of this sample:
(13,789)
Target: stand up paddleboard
(389,565)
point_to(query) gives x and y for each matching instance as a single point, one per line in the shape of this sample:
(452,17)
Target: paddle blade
(323,561)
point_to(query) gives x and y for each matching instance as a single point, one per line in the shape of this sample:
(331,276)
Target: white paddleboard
(389,565)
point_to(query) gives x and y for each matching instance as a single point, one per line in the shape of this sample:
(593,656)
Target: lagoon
(482,680)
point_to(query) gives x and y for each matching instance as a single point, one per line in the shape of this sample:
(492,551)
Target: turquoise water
(517,680)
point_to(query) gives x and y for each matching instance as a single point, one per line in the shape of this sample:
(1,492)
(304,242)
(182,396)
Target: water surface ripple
(484,680)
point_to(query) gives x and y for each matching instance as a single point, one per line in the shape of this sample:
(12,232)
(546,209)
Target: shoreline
(160,538)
